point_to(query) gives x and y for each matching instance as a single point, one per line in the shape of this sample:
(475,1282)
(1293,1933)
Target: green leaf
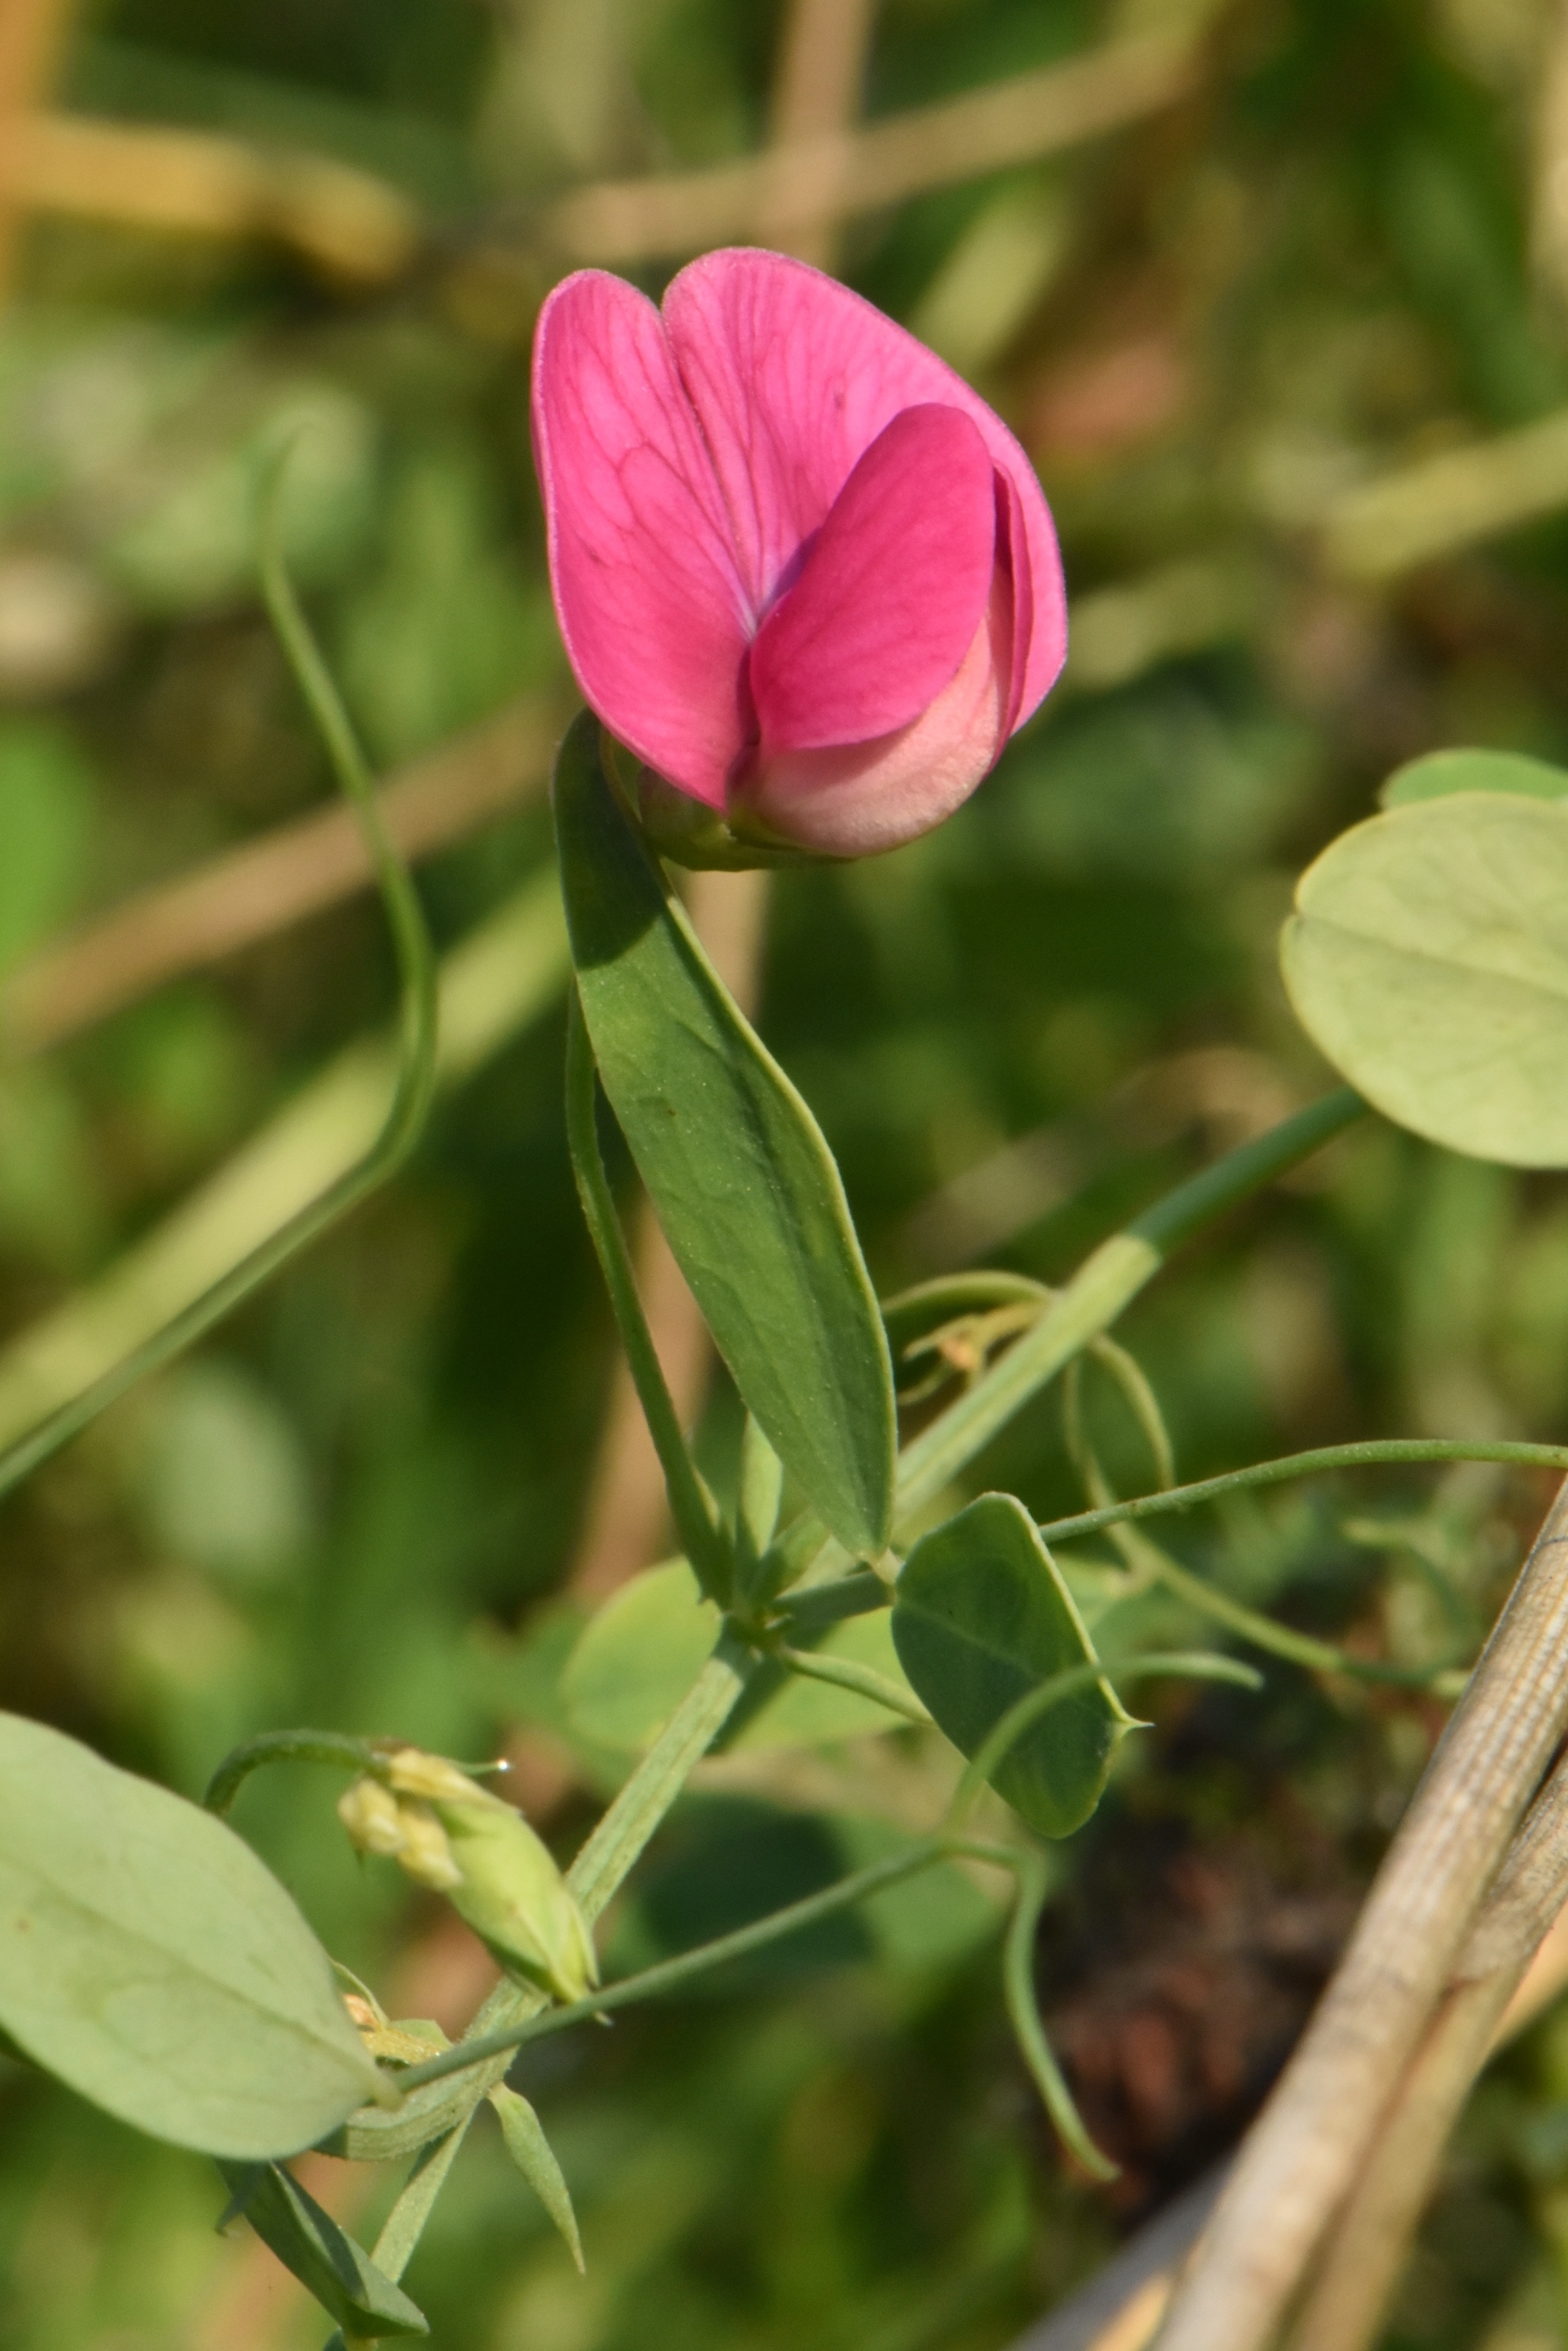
(1427,958)
(341,2275)
(735,1164)
(1439,773)
(150,1959)
(982,1619)
(535,2159)
(641,1654)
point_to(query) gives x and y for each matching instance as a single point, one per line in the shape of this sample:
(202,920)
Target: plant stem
(1301,2156)
(842,1673)
(616,1844)
(1017,1987)
(1097,1292)
(599,1870)
(1368,1453)
(701,1539)
(1198,1665)
(1105,1284)
(1282,1640)
(1346,2306)
(284,1747)
(416,1064)
(669,1975)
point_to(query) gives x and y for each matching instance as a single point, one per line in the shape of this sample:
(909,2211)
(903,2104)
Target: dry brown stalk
(1122,2306)
(251,892)
(1371,2241)
(31,34)
(1300,2158)
(1420,513)
(841,173)
(192,183)
(363,230)
(1549,223)
(816,94)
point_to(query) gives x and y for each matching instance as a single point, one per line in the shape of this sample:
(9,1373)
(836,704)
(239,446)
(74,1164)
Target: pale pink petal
(862,798)
(890,594)
(651,608)
(792,377)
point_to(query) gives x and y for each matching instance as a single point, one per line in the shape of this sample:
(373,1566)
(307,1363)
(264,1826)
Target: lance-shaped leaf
(149,1959)
(365,2302)
(735,1164)
(535,2159)
(1427,958)
(982,1619)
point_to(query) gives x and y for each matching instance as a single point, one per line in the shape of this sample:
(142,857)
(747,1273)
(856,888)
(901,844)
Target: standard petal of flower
(792,377)
(890,593)
(651,604)
(860,798)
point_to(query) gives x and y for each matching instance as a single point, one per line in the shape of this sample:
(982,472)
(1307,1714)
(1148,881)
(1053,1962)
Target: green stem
(1280,1640)
(1023,2008)
(594,1876)
(284,1747)
(1370,1452)
(843,1674)
(1195,1665)
(700,1536)
(416,1066)
(1029,1873)
(613,1851)
(1101,1288)
(669,1975)
(1097,1292)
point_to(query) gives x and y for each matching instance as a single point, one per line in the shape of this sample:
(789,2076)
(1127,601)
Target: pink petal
(862,798)
(890,594)
(792,378)
(653,613)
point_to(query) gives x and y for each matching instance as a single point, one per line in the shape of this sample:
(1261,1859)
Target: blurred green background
(1289,344)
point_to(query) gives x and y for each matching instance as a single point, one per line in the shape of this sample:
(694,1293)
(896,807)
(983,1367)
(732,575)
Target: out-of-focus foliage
(1335,259)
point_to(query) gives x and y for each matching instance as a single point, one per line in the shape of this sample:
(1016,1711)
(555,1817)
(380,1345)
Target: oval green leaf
(1427,958)
(365,2302)
(636,1660)
(736,1166)
(1437,773)
(981,1618)
(150,1959)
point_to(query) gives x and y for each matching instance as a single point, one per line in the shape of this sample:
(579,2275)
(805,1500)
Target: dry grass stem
(1425,511)
(193,183)
(252,893)
(1363,2262)
(1549,224)
(1521,1938)
(31,34)
(816,94)
(1300,2158)
(822,179)
(358,228)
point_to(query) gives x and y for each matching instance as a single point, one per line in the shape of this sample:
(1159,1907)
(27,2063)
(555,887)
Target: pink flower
(802,571)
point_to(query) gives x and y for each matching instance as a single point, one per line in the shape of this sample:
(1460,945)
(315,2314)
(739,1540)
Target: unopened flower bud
(516,1901)
(412,1772)
(426,1853)
(370,1813)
